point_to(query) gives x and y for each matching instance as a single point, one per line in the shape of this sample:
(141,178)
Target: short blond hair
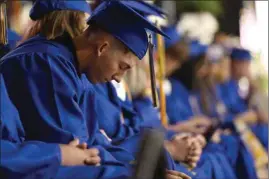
(55,23)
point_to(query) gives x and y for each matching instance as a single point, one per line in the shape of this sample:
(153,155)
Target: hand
(216,136)
(201,139)
(171,174)
(191,152)
(194,154)
(201,121)
(249,116)
(179,147)
(75,154)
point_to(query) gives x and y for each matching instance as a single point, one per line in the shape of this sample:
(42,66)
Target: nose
(117,78)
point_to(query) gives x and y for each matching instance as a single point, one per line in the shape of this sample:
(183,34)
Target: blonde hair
(55,23)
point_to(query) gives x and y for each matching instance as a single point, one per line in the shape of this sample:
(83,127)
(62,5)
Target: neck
(83,52)
(170,68)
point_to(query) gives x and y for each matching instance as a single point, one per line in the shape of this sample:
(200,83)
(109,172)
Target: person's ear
(102,48)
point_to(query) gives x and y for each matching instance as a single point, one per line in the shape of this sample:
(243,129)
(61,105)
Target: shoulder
(177,85)
(39,56)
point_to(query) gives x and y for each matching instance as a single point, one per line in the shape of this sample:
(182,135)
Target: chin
(91,80)
(95,81)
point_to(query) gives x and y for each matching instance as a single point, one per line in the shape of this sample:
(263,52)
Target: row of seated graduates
(226,155)
(34,156)
(127,132)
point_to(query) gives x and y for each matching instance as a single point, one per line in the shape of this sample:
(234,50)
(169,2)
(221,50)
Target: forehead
(241,62)
(131,58)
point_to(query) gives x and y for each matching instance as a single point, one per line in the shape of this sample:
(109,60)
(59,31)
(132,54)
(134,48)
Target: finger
(191,159)
(196,146)
(201,139)
(201,130)
(184,176)
(92,152)
(169,176)
(176,173)
(83,145)
(172,172)
(196,152)
(92,160)
(192,165)
(182,136)
(190,141)
(74,142)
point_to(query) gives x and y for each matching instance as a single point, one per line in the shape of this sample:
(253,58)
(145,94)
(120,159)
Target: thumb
(181,136)
(74,142)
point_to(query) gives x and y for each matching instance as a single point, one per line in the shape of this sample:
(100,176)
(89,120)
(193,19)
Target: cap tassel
(152,74)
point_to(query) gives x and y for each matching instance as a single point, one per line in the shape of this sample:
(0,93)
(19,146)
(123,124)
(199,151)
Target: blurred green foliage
(262,76)
(214,7)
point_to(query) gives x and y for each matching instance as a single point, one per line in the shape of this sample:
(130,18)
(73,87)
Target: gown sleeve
(29,160)
(46,91)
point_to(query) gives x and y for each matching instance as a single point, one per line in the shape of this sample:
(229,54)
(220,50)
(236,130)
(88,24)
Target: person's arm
(196,124)
(50,98)
(111,121)
(74,154)
(185,148)
(171,174)
(29,159)
(46,91)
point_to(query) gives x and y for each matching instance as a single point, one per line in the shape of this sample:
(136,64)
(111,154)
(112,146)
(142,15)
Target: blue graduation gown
(234,148)
(230,96)
(20,159)
(44,84)
(179,109)
(123,119)
(128,134)
(111,121)
(177,101)
(29,159)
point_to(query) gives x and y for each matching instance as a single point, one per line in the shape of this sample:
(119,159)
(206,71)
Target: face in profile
(214,69)
(202,69)
(111,62)
(225,70)
(240,68)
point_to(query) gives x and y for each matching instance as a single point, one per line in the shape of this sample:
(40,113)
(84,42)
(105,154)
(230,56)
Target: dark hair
(178,51)
(187,76)
(187,73)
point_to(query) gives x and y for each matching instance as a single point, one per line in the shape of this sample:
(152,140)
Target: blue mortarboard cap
(240,54)
(42,7)
(174,35)
(142,7)
(196,48)
(125,24)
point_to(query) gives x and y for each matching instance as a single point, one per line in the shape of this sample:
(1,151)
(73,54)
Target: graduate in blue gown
(32,159)
(124,130)
(23,160)
(181,116)
(241,160)
(225,106)
(243,96)
(54,94)
(110,122)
